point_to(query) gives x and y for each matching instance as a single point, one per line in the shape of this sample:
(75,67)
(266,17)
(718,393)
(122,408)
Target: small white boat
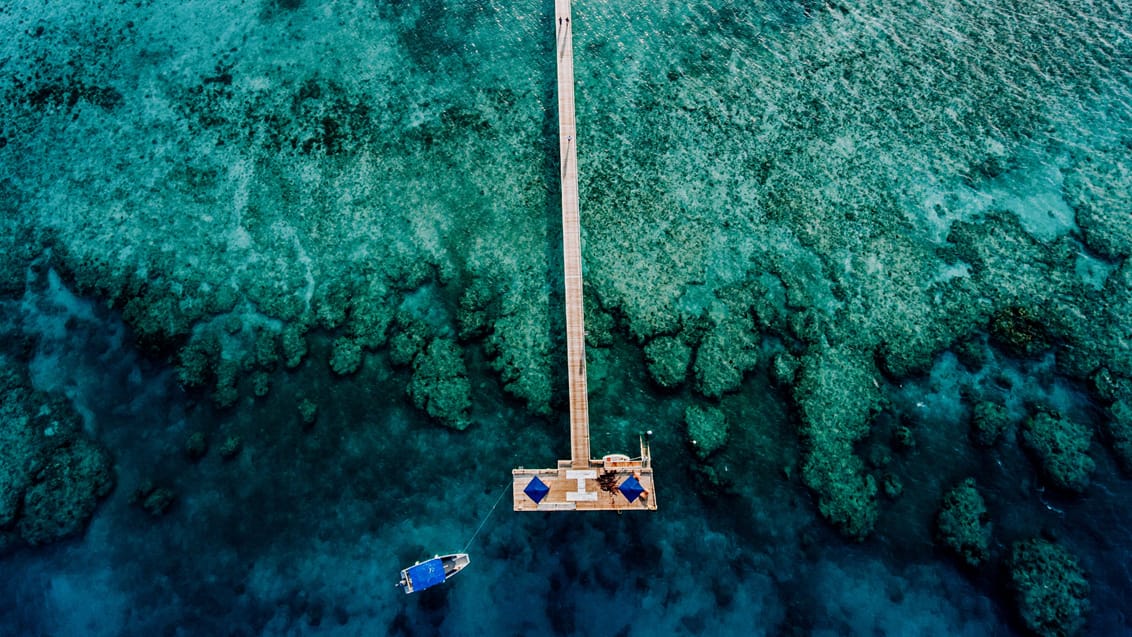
(429,573)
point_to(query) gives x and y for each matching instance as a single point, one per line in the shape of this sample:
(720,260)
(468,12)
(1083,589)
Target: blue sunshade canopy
(536,489)
(426,574)
(631,489)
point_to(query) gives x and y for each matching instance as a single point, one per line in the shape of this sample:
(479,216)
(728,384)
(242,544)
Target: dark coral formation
(409,338)
(988,422)
(231,447)
(784,368)
(521,353)
(963,524)
(892,485)
(1051,588)
(346,356)
(707,429)
(440,384)
(1116,427)
(727,352)
(308,411)
(1119,430)
(1060,446)
(152,498)
(838,396)
(478,304)
(1018,331)
(64,492)
(668,358)
(52,475)
(196,446)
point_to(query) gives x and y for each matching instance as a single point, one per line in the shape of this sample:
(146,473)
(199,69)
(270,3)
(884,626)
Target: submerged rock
(226,392)
(903,438)
(600,324)
(1060,447)
(837,396)
(153,499)
(847,495)
(195,360)
(478,305)
(51,474)
(520,350)
(892,485)
(1119,433)
(707,429)
(1100,193)
(963,525)
(64,493)
(668,358)
(728,351)
(261,383)
(784,368)
(409,338)
(346,357)
(231,447)
(1051,589)
(988,422)
(294,345)
(440,384)
(196,446)
(718,477)
(15,247)
(308,411)
(1018,331)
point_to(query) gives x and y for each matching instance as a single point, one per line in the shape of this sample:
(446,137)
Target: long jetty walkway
(572,245)
(615,482)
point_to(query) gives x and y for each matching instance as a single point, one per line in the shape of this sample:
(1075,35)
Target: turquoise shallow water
(800,173)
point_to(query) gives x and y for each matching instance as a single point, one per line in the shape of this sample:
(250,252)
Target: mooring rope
(485,518)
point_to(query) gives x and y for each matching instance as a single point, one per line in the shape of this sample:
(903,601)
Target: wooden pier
(615,482)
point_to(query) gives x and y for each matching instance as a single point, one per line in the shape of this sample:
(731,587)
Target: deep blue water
(305,531)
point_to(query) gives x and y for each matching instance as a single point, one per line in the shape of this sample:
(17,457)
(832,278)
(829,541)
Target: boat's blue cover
(536,489)
(426,574)
(631,489)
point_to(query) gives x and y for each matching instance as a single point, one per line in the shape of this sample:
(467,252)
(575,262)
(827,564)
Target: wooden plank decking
(574,484)
(579,490)
(572,243)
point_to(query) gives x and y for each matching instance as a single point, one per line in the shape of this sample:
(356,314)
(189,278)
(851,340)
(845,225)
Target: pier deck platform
(615,482)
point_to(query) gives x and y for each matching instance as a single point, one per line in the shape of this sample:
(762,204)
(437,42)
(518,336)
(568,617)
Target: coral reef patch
(52,474)
(1051,588)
